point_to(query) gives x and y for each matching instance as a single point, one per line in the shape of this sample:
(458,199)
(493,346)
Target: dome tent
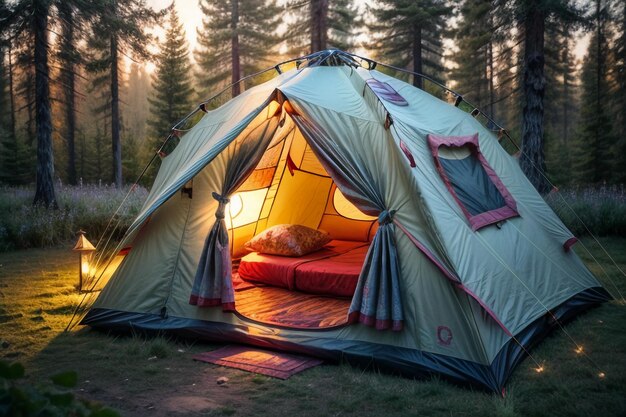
(465,265)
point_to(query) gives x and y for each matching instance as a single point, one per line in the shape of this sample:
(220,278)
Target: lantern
(85,250)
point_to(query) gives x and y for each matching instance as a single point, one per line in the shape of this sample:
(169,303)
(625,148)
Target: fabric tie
(386,216)
(221,208)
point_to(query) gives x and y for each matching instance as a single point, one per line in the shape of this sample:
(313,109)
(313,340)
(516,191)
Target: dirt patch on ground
(202,397)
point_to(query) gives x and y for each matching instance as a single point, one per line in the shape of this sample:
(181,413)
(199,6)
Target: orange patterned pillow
(288,240)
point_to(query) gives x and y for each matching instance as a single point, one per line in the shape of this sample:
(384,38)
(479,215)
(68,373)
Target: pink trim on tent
(450,275)
(483,219)
(487,309)
(428,254)
(491,217)
(211,302)
(569,243)
(408,154)
(358,317)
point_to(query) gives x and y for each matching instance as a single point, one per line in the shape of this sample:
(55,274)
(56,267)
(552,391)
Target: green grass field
(141,376)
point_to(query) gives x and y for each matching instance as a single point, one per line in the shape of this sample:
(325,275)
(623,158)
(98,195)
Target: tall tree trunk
(532,159)
(566,92)
(99,150)
(492,98)
(67,23)
(82,157)
(319,25)
(235,56)
(622,127)
(116,144)
(599,56)
(31,132)
(417,56)
(44,192)
(12,96)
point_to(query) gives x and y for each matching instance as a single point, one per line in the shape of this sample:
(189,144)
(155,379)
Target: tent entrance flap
(313,290)
(377,301)
(212,284)
(289,185)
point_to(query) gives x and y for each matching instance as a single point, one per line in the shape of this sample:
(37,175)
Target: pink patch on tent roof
(386,92)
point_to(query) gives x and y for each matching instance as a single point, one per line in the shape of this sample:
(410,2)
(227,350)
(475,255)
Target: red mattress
(333,270)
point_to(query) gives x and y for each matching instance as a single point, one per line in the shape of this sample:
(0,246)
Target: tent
(462,266)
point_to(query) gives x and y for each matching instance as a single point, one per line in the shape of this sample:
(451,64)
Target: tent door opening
(290,186)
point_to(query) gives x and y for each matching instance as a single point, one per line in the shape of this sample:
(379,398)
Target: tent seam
(180,246)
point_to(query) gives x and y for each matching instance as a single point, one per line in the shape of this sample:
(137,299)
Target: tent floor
(293,309)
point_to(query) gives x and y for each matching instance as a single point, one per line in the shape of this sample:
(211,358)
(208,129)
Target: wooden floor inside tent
(283,307)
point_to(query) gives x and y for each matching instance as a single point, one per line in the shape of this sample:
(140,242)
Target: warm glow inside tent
(443,258)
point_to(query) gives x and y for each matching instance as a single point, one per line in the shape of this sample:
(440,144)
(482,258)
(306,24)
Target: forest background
(90,89)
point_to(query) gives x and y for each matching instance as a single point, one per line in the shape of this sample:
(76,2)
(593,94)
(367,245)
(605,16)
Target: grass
(599,208)
(87,207)
(155,376)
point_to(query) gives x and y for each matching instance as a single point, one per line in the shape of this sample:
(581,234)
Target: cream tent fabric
(468,298)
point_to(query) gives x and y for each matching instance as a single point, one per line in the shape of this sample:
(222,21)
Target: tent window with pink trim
(471,181)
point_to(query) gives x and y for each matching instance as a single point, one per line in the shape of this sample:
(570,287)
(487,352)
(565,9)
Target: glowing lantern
(85,250)
(244,207)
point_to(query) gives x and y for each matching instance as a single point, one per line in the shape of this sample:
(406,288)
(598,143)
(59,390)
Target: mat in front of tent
(275,364)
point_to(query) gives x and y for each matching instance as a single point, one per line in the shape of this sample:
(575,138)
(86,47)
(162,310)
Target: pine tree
(474,56)
(73,18)
(561,104)
(171,82)
(24,84)
(618,75)
(136,94)
(508,64)
(32,17)
(408,34)
(171,86)
(137,149)
(595,141)
(532,16)
(237,38)
(23,141)
(120,29)
(8,144)
(317,25)
(95,150)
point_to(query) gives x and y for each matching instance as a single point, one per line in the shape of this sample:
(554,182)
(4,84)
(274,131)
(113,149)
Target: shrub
(86,207)
(46,400)
(602,209)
